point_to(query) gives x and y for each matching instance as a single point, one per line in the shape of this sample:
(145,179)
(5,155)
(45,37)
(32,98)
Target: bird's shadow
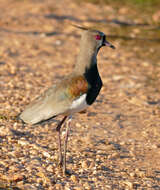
(28,136)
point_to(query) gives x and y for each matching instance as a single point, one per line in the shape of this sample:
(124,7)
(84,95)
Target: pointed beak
(106,43)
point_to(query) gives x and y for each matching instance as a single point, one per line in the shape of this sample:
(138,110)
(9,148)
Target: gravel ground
(114,144)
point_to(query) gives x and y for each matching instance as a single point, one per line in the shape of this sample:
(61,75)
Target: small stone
(78,188)
(28,186)
(74,178)
(117,77)
(156,16)
(33,151)
(86,185)
(132,174)
(123,10)
(50,168)
(136,30)
(92,165)
(23,142)
(145,64)
(107,142)
(115,155)
(122,143)
(78,125)
(94,172)
(58,42)
(110,147)
(85,164)
(15,124)
(46,154)
(141,174)
(154,146)
(17,177)
(2,163)
(41,174)
(40,180)
(66,187)
(20,184)
(129,184)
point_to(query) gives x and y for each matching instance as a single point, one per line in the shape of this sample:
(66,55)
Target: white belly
(79,104)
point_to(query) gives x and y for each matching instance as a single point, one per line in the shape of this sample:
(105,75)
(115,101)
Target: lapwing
(73,93)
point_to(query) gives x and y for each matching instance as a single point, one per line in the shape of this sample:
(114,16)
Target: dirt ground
(115,143)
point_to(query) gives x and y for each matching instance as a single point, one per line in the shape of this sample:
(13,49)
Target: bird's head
(94,38)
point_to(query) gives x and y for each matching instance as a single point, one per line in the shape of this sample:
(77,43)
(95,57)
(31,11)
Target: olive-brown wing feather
(56,100)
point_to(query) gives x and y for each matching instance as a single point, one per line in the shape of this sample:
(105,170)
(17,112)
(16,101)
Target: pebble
(141,174)
(74,178)
(23,142)
(15,124)
(114,155)
(50,168)
(28,186)
(129,184)
(145,64)
(16,177)
(154,146)
(117,77)
(20,184)
(87,186)
(58,42)
(132,174)
(58,186)
(94,172)
(78,125)
(78,188)
(46,154)
(85,164)
(110,147)
(92,165)
(122,143)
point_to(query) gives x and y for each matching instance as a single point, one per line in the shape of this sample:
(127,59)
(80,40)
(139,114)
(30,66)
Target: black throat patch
(95,83)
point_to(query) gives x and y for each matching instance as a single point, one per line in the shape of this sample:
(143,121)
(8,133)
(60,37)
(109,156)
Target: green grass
(143,2)
(144,5)
(136,2)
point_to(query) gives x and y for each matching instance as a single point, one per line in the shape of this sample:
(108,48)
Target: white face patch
(79,104)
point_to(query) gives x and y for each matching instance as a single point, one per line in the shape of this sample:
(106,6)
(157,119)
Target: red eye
(98,37)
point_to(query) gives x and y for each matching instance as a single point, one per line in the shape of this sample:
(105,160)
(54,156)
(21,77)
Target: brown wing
(56,100)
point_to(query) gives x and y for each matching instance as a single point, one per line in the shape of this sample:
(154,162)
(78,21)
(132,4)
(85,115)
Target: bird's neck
(86,59)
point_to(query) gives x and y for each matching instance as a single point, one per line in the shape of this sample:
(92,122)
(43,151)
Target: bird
(74,93)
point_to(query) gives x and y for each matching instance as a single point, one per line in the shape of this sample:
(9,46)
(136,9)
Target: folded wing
(56,100)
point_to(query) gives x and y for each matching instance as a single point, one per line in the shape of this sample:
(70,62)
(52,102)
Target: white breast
(79,104)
